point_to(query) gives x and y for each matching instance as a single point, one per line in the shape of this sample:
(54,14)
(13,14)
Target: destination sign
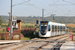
(43,23)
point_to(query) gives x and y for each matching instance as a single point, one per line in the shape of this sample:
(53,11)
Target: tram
(48,29)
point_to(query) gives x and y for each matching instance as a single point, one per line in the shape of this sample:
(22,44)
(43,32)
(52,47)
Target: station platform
(9,41)
(68,45)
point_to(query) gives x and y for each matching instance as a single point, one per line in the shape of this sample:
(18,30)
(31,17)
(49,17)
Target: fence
(73,37)
(15,35)
(5,36)
(27,29)
(1,29)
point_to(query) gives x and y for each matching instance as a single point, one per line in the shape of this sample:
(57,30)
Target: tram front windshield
(43,27)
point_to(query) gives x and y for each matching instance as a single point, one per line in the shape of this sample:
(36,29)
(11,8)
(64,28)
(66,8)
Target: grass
(27,25)
(25,38)
(71,25)
(23,25)
(4,23)
(1,31)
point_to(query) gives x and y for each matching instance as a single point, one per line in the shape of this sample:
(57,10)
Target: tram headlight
(45,31)
(41,31)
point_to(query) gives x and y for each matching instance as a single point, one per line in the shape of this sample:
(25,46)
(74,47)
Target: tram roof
(53,23)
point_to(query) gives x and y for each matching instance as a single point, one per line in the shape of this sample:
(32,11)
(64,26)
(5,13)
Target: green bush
(30,34)
(74,31)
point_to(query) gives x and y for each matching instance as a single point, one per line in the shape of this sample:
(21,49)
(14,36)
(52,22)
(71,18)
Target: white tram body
(48,29)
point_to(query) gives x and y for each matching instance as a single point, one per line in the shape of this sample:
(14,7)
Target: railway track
(52,45)
(30,44)
(9,46)
(36,44)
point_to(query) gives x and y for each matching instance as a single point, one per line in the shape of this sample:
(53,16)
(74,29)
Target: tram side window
(55,28)
(49,28)
(63,28)
(60,28)
(52,28)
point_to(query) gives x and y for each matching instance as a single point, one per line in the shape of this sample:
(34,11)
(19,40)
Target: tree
(0,21)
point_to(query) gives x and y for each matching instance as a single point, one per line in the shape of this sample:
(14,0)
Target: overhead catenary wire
(62,4)
(68,2)
(46,9)
(58,7)
(49,13)
(36,7)
(55,2)
(20,3)
(40,3)
(32,5)
(66,9)
(73,4)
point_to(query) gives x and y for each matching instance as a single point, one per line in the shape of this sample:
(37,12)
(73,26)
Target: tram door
(49,30)
(58,30)
(53,31)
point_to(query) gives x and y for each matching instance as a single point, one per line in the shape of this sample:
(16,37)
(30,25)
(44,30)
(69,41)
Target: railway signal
(35,31)
(37,21)
(35,27)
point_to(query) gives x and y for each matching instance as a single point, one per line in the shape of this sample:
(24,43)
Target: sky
(34,7)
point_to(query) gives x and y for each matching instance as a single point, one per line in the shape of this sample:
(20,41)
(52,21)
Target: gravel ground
(32,46)
(35,45)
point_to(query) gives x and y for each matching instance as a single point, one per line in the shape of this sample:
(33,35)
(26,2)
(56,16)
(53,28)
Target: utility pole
(42,14)
(9,19)
(11,29)
(53,18)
